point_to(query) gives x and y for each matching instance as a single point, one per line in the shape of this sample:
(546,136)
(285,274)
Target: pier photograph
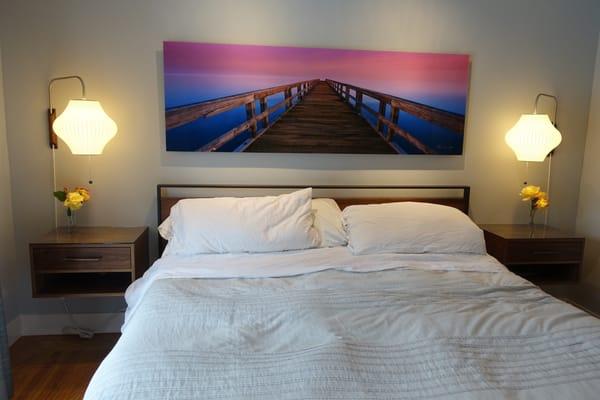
(273,99)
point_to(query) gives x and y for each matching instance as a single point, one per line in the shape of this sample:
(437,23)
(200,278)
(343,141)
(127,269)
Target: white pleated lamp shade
(533,137)
(85,127)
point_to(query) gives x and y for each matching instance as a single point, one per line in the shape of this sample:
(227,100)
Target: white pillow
(328,222)
(409,227)
(238,225)
(165,229)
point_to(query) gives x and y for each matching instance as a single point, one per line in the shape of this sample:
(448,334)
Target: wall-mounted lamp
(534,137)
(83,126)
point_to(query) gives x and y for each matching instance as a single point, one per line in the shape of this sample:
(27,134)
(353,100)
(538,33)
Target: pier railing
(446,119)
(178,116)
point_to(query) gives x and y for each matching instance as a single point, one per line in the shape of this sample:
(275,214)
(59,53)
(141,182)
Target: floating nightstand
(539,253)
(88,261)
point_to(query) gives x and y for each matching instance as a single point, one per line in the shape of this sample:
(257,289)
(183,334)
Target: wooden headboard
(454,196)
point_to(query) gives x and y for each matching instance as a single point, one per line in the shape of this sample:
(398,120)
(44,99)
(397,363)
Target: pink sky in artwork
(403,74)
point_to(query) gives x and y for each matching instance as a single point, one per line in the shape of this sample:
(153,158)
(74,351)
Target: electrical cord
(75,328)
(548,186)
(54,186)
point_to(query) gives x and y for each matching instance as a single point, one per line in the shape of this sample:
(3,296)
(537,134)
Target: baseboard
(13,330)
(55,324)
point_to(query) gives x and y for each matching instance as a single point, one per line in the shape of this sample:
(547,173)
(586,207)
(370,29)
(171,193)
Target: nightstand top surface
(91,235)
(526,231)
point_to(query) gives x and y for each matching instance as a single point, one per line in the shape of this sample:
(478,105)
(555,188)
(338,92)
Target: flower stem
(532,216)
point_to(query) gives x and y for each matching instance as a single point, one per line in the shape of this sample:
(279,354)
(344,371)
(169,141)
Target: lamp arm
(537,99)
(62,78)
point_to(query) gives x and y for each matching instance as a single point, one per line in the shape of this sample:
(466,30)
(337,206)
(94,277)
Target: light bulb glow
(85,127)
(533,137)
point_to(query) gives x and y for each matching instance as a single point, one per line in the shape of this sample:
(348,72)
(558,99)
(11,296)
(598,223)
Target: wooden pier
(319,117)
(388,127)
(321,123)
(178,116)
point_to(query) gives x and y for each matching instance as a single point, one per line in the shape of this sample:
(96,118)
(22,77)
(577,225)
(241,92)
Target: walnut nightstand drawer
(88,261)
(88,258)
(544,251)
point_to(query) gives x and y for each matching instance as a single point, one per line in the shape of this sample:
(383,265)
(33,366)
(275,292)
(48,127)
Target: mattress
(323,324)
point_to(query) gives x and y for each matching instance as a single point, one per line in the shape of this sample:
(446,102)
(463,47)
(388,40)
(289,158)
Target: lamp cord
(75,328)
(548,186)
(54,186)
(535,106)
(82,332)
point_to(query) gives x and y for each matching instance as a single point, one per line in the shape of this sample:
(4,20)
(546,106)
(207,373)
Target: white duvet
(323,324)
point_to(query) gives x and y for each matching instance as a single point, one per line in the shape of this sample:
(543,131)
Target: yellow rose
(84,193)
(542,202)
(530,192)
(74,201)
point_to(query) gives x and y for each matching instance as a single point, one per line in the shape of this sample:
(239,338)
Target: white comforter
(324,324)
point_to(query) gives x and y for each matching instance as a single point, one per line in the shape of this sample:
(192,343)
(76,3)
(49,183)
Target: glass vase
(70,220)
(532,217)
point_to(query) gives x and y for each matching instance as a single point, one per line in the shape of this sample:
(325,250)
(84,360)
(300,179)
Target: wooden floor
(581,295)
(56,367)
(321,123)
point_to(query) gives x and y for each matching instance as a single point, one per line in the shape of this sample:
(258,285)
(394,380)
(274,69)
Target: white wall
(588,216)
(518,49)
(9,273)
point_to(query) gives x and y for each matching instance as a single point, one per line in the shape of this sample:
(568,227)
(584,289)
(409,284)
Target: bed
(324,323)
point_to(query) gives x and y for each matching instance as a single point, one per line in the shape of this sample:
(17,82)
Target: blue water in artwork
(196,134)
(193,136)
(440,139)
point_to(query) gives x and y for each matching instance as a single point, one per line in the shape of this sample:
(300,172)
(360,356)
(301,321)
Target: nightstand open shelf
(88,261)
(540,253)
(84,284)
(547,273)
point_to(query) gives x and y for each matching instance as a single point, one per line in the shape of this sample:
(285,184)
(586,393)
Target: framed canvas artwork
(270,99)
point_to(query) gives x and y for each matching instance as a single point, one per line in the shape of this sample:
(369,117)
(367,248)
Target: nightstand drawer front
(544,251)
(82,258)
